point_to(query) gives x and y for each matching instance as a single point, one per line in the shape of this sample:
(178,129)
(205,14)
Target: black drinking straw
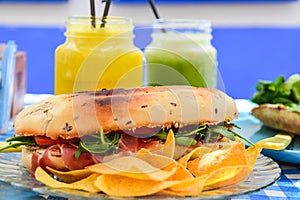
(93,12)
(151,2)
(105,13)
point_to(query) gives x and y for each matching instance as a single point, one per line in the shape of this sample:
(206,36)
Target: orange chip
(226,176)
(220,145)
(176,193)
(147,173)
(192,186)
(169,146)
(86,184)
(195,153)
(156,160)
(70,176)
(252,154)
(212,161)
(143,150)
(216,192)
(181,173)
(122,186)
(133,167)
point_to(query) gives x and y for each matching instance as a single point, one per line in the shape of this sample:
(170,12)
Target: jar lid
(99,26)
(180,25)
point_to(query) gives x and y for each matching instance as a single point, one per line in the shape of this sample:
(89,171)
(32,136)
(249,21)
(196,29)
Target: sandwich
(71,131)
(279,103)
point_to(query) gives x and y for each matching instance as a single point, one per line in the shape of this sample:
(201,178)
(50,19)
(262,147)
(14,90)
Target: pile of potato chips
(157,173)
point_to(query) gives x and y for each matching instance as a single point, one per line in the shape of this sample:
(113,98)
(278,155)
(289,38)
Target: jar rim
(183,23)
(83,19)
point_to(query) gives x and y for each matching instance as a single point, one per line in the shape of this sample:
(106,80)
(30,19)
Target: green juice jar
(181,53)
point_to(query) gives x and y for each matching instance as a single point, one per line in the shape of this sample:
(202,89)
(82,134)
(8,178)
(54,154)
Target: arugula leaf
(162,135)
(289,83)
(16,141)
(242,137)
(223,131)
(294,108)
(279,92)
(296,91)
(28,139)
(98,143)
(204,132)
(185,141)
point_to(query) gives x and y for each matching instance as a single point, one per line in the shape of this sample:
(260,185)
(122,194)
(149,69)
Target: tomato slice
(42,140)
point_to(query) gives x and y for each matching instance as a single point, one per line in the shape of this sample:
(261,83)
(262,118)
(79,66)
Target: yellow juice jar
(98,53)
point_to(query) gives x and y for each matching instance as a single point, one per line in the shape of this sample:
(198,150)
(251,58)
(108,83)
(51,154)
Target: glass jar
(98,53)
(181,53)
(7,78)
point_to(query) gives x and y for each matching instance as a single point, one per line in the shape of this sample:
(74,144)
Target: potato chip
(226,176)
(192,186)
(86,184)
(122,186)
(157,173)
(218,192)
(195,153)
(177,193)
(70,176)
(156,160)
(169,146)
(220,145)
(188,187)
(132,167)
(4,146)
(168,193)
(181,173)
(214,160)
(252,154)
(180,151)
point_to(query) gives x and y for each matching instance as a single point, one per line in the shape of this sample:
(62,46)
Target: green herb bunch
(279,92)
(205,133)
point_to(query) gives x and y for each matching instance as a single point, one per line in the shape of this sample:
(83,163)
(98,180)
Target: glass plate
(265,172)
(255,131)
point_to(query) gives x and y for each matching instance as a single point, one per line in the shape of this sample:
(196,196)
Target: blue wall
(245,55)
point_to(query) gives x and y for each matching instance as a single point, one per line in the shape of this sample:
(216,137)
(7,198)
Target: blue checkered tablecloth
(286,187)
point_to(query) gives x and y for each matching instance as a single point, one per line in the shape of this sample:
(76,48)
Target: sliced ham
(52,158)
(62,157)
(133,144)
(71,162)
(34,163)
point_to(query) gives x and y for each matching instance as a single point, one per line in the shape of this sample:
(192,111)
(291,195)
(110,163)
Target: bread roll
(74,115)
(276,116)
(26,157)
(27,152)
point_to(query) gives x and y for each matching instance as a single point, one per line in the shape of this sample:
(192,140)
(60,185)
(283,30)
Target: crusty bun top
(74,115)
(277,116)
